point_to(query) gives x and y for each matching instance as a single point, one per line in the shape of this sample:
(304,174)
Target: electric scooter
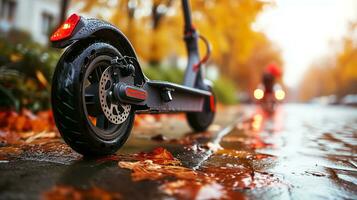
(98,85)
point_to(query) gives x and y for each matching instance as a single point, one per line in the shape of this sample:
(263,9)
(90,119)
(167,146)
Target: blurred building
(37,17)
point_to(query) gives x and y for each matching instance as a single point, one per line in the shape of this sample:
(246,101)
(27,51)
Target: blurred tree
(346,66)
(143,22)
(25,72)
(241,52)
(336,74)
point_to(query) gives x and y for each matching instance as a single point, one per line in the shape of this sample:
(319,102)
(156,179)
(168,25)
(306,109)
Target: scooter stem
(187,15)
(191,40)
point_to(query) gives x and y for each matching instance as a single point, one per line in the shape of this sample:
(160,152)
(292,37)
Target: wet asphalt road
(300,152)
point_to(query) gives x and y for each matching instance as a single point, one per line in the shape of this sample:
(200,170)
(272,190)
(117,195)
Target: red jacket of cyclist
(271,73)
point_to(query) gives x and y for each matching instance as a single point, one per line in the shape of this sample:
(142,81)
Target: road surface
(299,152)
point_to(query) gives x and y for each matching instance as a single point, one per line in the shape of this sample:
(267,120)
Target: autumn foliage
(333,74)
(155,29)
(17,126)
(27,121)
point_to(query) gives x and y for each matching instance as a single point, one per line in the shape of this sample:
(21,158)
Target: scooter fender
(87,29)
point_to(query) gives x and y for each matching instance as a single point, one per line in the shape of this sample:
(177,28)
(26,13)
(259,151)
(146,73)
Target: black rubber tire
(200,121)
(67,102)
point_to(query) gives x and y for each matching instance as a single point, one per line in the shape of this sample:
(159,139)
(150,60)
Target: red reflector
(212,103)
(66,29)
(136,94)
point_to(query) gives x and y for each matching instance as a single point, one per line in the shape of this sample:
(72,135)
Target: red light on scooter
(66,29)
(212,103)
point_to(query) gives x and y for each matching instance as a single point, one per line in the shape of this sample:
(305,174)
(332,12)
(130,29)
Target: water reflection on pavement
(315,150)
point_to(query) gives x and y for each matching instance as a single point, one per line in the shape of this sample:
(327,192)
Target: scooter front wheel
(89,120)
(200,121)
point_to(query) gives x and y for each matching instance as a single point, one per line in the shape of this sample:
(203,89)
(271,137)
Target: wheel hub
(115,112)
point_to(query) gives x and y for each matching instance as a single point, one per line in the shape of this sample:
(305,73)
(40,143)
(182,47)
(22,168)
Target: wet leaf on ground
(159,156)
(218,181)
(26,126)
(241,154)
(148,170)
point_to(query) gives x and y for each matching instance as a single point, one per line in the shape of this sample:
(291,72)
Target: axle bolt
(128,70)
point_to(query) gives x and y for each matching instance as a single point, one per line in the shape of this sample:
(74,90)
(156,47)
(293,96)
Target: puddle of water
(183,189)
(317,145)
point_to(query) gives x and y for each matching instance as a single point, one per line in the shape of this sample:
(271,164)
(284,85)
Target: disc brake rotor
(116,113)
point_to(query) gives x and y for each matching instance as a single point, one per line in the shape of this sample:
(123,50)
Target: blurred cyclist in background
(271,73)
(269,92)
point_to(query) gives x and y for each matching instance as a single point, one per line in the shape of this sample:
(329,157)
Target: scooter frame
(149,96)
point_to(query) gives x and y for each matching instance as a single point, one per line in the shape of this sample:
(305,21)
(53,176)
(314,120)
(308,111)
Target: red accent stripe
(137,94)
(196,67)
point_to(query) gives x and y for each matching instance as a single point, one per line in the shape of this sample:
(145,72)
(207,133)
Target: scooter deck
(176,87)
(170,97)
